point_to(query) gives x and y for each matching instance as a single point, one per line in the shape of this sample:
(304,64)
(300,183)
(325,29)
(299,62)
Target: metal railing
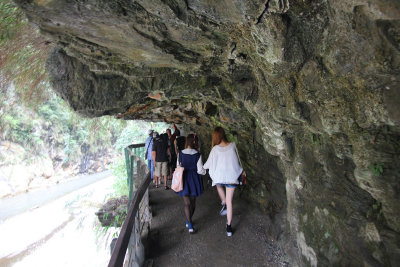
(128,250)
(130,152)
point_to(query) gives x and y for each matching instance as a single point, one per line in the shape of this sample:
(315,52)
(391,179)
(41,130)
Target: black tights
(190,206)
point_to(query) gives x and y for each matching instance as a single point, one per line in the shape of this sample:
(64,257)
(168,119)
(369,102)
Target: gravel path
(170,244)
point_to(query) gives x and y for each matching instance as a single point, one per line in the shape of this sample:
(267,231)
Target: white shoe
(228,230)
(191,229)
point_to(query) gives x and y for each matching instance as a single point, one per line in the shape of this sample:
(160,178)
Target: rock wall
(309,90)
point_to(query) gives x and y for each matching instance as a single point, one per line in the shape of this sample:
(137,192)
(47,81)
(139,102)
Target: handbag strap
(179,158)
(149,143)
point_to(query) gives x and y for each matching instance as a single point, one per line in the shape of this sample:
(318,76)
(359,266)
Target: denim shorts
(228,185)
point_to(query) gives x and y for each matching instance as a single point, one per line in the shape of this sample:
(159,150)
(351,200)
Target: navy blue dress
(192,183)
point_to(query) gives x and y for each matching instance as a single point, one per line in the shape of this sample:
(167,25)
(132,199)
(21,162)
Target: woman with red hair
(225,170)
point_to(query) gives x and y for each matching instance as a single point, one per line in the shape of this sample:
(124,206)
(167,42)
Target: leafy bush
(376,168)
(23,54)
(118,169)
(10,21)
(136,132)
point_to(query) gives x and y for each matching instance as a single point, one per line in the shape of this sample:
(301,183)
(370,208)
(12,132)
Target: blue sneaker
(187,224)
(191,229)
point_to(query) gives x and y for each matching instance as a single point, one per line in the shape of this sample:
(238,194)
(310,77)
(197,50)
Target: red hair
(218,136)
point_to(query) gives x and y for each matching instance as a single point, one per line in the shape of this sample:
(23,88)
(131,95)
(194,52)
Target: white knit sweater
(223,165)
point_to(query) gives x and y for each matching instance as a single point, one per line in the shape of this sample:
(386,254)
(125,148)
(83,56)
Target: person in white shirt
(224,169)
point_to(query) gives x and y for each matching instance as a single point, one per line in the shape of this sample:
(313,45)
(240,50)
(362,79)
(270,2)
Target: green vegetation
(336,249)
(53,125)
(120,186)
(133,133)
(23,54)
(10,21)
(314,139)
(108,230)
(318,139)
(232,138)
(375,212)
(136,133)
(376,168)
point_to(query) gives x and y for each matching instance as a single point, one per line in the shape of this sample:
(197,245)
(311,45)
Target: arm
(175,147)
(208,163)
(154,154)
(174,135)
(200,169)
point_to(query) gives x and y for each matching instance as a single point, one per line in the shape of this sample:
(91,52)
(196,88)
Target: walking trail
(170,244)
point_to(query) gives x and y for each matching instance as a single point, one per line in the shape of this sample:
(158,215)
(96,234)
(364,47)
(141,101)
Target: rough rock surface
(113,212)
(309,90)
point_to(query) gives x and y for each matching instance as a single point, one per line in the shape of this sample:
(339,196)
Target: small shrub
(377,168)
(120,186)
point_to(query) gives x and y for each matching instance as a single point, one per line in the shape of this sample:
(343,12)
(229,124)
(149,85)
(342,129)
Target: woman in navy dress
(190,160)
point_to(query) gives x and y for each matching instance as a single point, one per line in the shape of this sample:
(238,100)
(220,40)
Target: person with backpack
(179,143)
(171,137)
(190,159)
(225,170)
(148,156)
(161,153)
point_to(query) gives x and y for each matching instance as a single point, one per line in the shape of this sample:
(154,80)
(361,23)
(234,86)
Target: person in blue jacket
(148,147)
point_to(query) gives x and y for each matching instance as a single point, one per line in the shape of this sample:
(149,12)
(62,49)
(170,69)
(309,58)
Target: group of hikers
(164,152)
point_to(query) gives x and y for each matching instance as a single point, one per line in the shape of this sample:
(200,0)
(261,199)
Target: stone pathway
(170,244)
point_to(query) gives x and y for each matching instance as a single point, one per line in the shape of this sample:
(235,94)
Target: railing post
(128,165)
(131,166)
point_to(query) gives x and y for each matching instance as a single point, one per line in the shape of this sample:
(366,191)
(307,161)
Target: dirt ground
(170,244)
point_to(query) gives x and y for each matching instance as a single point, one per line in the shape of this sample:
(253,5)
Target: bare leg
(165,181)
(221,193)
(156,181)
(229,198)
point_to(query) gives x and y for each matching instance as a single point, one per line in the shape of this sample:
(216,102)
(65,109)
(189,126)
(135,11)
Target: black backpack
(180,142)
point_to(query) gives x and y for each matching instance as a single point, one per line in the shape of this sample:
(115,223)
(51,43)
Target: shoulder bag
(177,178)
(242,177)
